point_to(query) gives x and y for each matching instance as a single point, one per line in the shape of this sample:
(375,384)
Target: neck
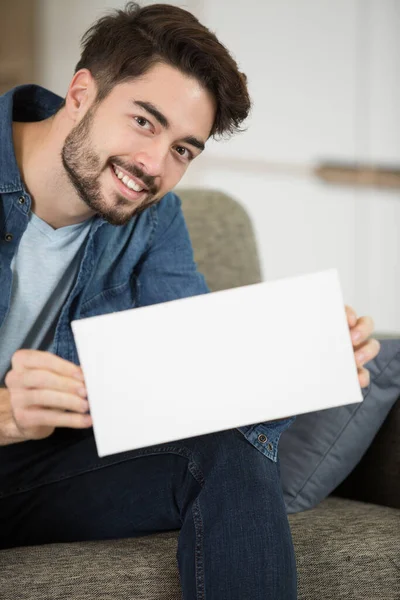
(38,149)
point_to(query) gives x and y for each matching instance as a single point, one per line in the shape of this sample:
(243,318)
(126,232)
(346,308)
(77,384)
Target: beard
(83,168)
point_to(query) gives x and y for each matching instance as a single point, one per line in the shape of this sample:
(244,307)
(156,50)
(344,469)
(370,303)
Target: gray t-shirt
(44,270)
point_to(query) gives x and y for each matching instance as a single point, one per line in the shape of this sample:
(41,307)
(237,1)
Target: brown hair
(125,44)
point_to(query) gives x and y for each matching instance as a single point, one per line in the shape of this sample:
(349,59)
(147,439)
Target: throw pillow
(321,448)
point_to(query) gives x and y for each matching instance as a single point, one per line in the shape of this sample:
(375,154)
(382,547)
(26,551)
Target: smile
(130,183)
(128,186)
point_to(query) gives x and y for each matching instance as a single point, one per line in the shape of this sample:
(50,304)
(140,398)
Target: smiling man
(89,225)
(125,153)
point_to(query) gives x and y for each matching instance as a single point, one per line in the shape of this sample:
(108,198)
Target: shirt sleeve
(167,270)
(265,436)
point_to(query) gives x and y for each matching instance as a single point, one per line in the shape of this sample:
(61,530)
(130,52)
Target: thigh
(59,490)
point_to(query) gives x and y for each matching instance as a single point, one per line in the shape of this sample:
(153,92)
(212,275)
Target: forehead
(181,98)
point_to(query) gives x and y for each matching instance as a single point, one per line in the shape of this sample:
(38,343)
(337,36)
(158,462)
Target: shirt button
(262,438)
(8,237)
(21,200)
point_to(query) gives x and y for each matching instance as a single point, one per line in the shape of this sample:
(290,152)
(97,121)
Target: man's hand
(364,349)
(46,392)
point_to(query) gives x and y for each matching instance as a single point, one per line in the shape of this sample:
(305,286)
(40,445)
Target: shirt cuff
(265,436)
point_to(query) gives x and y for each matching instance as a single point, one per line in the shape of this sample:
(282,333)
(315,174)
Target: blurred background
(324,76)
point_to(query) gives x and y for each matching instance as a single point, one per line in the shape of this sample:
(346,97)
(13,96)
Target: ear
(81,94)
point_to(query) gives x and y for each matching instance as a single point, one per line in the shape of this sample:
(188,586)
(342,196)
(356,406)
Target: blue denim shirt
(148,261)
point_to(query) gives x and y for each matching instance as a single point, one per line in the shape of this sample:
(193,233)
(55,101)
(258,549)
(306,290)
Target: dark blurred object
(17,42)
(376,478)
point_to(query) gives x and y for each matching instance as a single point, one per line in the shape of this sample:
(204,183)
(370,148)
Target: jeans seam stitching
(199,567)
(62,477)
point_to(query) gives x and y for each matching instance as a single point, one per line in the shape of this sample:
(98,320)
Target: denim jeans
(222,494)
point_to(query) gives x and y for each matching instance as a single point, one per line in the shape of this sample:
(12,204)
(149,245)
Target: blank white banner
(217,361)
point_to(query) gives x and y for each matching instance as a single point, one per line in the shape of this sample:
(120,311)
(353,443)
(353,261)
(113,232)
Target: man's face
(134,146)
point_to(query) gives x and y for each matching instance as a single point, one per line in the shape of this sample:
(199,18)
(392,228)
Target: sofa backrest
(223,240)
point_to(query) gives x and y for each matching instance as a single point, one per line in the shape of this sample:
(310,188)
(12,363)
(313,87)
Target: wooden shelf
(17,42)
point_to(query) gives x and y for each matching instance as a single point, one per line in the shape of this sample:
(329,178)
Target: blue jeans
(222,494)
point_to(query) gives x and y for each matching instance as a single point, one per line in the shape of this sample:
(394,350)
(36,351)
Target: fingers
(36,359)
(49,399)
(46,392)
(364,377)
(363,330)
(29,419)
(351,316)
(40,379)
(367,351)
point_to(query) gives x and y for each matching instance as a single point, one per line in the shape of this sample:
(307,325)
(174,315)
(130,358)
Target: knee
(230,458)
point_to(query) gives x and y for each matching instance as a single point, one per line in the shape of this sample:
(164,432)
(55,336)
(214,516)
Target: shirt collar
(25,103)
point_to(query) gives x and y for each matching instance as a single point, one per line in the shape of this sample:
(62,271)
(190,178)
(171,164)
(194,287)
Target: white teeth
(127,181)
(134,186)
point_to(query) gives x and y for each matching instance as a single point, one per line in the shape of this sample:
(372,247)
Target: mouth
(130,187)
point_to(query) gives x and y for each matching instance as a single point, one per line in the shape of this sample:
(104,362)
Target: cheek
(108,140)
(174,172)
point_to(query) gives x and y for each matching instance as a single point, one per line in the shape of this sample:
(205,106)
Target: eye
(184,152)
(143,123)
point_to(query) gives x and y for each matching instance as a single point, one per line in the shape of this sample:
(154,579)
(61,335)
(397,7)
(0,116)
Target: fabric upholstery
(347,550)
(136,569)
(222,237)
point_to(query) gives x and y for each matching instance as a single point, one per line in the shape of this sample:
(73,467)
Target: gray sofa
(346,548)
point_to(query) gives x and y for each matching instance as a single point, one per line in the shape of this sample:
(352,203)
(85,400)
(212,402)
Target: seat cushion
(143,568)
(344,549)
(347,550)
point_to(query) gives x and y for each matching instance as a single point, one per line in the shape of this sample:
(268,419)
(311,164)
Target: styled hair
(125,44)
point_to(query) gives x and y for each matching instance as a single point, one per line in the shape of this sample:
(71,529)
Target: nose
(151,159)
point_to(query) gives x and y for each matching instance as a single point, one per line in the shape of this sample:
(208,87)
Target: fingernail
(82,392)
(355,336)
(360,357)
(79,375)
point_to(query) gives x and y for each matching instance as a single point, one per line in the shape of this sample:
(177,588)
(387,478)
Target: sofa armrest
(376,478)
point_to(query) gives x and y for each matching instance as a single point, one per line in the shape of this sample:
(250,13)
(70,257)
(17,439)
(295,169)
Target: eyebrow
(162,119)
(193,141)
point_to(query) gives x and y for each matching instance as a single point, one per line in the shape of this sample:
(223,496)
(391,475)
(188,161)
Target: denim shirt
(148,261)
